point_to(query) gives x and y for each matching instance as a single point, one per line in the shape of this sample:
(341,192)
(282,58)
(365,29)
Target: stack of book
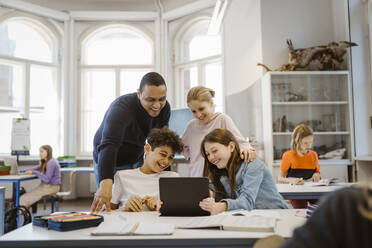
(67,161)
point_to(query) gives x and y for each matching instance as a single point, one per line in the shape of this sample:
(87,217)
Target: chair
(56,198)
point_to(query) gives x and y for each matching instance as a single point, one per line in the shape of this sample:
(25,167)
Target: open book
(254,212)
(124,227)
(236,223)
(323,182)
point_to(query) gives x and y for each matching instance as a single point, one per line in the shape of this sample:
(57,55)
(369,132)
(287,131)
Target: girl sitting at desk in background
(200,103)
(237,184)
(138,187)
(300,162)
(48,172)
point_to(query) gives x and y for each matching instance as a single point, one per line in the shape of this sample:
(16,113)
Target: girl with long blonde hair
(201,105)
(300,162)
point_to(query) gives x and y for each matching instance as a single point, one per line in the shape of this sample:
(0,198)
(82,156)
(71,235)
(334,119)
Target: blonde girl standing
(201,105)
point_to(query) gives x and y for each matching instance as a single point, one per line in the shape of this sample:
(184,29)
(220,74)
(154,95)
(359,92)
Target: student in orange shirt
(300,163)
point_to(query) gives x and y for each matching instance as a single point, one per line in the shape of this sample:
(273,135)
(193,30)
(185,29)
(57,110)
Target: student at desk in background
(200,103)
(134,188)
(237,184)
(48,172)
(300,162)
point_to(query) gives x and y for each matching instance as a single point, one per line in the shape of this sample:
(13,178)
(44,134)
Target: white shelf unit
(315,133)
(310,103)
(320,98)
(276,163)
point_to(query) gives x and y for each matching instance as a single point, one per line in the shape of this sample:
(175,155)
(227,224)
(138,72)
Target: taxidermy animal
(329,57)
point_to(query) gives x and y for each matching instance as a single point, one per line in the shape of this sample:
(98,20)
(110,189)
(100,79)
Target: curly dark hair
(165,137)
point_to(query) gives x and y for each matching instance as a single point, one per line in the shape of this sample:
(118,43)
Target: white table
(291,192)
(16,181)
(2,209)
(33,236)
(77,169)
(363,170)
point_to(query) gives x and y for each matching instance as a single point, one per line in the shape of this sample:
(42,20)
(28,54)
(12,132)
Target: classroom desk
(2,209)
(363,168)
(16,180)
(77,169)
(33,236)
(292,192)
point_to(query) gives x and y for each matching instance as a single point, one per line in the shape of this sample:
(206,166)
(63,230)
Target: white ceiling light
(217,17)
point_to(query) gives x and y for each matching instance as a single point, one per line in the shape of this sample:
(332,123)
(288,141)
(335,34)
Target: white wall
(255,31)
(361,77)
(242,45)
(340,16)
(306,23)
(173,4)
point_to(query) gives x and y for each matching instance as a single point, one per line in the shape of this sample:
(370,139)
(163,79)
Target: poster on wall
(20,136)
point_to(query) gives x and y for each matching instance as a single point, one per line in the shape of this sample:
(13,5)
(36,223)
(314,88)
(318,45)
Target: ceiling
(110,5)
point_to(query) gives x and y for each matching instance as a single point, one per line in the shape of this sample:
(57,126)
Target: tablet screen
(181,195)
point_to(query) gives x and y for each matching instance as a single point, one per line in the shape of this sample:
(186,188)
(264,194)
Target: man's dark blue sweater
(122,134)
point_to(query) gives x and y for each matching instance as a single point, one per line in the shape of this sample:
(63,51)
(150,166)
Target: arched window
(114,58)
(198,61)
(117,46)
(197,44)
(26,39)
(28,81)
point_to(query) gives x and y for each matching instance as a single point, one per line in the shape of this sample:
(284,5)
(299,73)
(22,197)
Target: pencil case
(68,222)
(42,220)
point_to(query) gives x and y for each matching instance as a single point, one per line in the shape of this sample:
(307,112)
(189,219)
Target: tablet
(301,173)
(181,195)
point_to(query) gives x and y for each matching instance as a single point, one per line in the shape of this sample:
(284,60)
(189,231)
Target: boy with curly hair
(138,189)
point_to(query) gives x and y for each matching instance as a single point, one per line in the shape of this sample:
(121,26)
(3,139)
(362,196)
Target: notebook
(252,223)
(12,162)
(181,195)
(124,227)
(324,182)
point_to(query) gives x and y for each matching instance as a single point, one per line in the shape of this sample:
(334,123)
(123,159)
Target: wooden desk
(292,192)
(33,236)
(363,168)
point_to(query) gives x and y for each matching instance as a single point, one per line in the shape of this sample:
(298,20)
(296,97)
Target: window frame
(117,68)
(44,27)
(179,65)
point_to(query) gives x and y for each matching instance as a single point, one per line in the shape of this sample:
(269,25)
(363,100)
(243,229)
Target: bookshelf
(321,100)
